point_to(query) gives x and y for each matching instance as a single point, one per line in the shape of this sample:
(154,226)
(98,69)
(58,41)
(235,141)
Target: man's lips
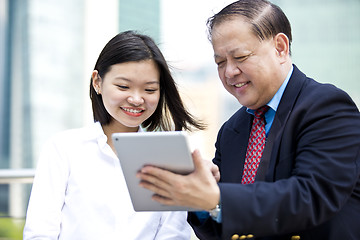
(239,85)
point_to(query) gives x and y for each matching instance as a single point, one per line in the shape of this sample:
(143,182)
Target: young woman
(79,191)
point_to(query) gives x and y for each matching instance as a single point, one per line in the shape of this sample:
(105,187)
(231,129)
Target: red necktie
(255,146)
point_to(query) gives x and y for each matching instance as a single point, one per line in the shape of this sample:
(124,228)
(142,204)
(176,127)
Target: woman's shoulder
(77,135)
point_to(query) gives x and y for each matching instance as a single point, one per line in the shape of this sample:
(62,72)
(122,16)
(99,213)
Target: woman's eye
(151,90)
(122,87)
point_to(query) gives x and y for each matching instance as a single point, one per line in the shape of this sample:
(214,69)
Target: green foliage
(11,229)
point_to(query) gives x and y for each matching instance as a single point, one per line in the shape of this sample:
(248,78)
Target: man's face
(248,68)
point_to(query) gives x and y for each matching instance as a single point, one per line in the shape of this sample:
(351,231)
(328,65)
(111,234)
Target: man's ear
(282,46)
(96,81)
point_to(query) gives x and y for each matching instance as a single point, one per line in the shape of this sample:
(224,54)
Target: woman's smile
(134,112)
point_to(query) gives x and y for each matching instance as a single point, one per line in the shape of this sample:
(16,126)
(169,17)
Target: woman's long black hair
(129,46)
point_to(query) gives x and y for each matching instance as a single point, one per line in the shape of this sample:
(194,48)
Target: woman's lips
(135,112)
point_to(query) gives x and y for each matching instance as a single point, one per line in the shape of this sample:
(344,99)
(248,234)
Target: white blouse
(79,192)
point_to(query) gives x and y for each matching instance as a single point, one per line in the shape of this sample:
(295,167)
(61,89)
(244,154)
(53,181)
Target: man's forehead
(233,51)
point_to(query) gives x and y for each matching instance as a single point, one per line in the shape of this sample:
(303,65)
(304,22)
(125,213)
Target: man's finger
(147,179)
(159,173)
(163,200)
(157,190)
(198,161)
(215,171)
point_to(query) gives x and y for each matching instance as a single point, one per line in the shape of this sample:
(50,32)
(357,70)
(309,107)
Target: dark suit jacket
(308,180)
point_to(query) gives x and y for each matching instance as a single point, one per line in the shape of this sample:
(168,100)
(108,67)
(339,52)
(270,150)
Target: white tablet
(167,150)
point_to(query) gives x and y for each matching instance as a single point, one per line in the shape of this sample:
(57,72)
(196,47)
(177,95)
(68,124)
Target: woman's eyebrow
(129,80)
(153,82)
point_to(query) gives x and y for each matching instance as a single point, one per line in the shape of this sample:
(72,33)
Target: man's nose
(231,70)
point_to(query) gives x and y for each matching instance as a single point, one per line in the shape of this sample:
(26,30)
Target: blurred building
(42,57)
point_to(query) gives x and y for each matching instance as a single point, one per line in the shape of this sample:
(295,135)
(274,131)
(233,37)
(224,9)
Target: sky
(184,31)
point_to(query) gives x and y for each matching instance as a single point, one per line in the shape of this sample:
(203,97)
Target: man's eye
(242,58)
(220,63)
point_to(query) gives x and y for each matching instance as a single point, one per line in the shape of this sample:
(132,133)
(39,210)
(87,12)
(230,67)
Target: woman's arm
(43,218)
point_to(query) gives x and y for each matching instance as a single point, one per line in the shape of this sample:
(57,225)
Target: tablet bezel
(167,150)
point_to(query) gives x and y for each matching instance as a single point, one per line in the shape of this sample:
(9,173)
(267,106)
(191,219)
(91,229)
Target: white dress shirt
(79,192)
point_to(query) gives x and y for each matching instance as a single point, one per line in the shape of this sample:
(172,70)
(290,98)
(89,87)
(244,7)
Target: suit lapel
(267,170)
(234,147)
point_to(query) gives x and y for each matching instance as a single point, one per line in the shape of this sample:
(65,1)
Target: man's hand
(198,189)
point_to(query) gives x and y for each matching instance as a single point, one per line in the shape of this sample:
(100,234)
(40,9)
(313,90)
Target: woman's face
(130,92)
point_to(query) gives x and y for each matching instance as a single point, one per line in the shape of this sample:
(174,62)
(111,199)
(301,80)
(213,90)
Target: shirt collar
(274,102)
(97,132)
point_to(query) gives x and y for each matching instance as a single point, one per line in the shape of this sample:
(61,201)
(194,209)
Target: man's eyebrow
(216,56)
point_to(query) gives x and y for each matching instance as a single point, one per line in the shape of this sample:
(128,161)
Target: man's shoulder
(310,84)
(322,91)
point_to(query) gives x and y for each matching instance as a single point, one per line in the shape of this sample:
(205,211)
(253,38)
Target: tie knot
(260,112)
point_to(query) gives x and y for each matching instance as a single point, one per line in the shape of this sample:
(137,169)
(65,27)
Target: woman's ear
(96,81)
(282,46)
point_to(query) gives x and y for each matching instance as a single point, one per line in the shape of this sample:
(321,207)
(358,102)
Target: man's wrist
(214,213)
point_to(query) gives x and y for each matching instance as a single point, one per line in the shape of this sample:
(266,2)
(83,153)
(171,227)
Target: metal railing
(8,176)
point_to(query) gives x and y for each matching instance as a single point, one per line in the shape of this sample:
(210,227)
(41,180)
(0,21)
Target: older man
(289,158)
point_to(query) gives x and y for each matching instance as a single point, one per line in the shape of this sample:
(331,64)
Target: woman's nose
(136,99)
